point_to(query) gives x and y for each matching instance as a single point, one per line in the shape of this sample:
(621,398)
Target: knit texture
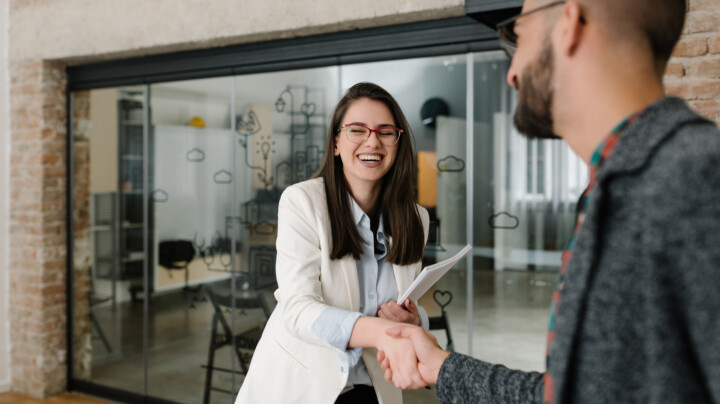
(639,319)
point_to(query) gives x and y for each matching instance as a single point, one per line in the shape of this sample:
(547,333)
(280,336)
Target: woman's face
(365,163)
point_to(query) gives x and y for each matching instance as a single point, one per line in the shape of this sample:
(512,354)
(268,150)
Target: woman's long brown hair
(397,200)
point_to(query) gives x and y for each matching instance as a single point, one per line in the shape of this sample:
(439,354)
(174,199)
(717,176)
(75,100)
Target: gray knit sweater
(639,318)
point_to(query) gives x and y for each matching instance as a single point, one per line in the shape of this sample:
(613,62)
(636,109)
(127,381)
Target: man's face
(531,73)
(533,116)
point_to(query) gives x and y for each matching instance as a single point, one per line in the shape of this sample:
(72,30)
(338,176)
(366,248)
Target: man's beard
(533,116)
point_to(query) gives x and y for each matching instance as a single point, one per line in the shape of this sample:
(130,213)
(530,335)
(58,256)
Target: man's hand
(401,361)
(395,312)
(429,355)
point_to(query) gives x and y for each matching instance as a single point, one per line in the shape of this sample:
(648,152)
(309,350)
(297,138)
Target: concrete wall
(4,213)
(75,30)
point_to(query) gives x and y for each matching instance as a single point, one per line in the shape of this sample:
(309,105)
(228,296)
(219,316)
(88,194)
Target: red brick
(675,69)
(54,171)
(709,5)
(703,67)
(694,90)
(53,290)
(702,21)
(709,109)
(714,44)
(691,46)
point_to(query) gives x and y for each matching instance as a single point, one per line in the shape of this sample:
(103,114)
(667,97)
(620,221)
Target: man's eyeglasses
(506,29)
(387,135)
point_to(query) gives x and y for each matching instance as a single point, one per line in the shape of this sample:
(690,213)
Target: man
(636,315)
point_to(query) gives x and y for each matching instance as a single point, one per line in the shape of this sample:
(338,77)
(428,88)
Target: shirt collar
(607,146)
(362,219)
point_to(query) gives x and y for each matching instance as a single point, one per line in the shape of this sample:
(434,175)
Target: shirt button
(372,296)
(342,368)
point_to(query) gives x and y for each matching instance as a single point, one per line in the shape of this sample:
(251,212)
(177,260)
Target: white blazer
(291,364)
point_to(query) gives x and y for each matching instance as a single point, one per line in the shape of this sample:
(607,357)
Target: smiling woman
(338,271)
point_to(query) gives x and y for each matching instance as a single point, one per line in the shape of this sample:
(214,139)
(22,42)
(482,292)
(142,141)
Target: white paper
(430,275)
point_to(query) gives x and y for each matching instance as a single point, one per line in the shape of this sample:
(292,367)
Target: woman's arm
(369,332)
(299,259)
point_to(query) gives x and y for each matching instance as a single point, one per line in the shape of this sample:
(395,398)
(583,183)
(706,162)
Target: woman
(349,242)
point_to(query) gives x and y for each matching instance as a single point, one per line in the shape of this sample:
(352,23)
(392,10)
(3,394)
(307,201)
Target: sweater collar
(641,137)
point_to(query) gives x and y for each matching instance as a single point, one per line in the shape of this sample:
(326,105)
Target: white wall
(4,192)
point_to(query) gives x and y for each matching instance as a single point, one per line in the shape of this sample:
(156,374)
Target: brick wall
(37,273)
(694,70)
(37,228)
(82,258)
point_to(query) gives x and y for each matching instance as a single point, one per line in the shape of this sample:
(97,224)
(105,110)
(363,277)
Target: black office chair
(176,255)
(441,322)
(241,327)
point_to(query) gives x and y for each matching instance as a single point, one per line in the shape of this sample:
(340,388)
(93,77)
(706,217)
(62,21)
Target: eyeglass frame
(370,131)
(510,45)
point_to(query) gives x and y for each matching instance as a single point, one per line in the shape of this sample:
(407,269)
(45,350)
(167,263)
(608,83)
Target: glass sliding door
(175,216)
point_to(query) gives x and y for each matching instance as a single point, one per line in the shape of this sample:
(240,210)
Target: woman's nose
(372,139)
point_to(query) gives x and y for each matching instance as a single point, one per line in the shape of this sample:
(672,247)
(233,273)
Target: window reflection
(184,188)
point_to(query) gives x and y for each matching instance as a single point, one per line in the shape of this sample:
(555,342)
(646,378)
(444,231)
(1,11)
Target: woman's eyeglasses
(387,135)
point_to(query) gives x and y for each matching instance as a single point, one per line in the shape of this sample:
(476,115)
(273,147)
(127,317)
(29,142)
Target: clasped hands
(410,356)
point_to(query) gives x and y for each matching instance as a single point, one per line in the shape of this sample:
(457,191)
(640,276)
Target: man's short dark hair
(659,22)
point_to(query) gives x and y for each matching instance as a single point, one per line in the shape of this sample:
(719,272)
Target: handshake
(410,357)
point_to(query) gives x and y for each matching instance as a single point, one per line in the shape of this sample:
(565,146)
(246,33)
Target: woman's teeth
(369,157)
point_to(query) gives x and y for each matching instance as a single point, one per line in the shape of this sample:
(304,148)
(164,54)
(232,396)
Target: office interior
(184,182)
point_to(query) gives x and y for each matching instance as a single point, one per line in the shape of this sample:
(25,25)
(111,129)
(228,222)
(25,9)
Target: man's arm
(462,379)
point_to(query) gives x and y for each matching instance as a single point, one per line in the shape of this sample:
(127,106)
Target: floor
(67,398)
(510,313)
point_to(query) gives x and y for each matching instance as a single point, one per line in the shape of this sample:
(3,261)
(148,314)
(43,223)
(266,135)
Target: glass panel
(281,122)
(524,201)
(432,94)
(109,253)
(224,149)
(190,167)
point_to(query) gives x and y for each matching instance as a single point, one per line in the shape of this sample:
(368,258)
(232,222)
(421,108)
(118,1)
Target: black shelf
(132,252)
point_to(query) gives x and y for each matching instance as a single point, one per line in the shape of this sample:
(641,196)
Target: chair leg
(100,332)
(450,346)
(210,362)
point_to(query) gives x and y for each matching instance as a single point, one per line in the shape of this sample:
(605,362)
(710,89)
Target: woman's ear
(336,151)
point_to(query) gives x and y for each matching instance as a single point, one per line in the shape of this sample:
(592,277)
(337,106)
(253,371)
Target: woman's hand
(394,312)
(430,355)
(370,332)
(400,361)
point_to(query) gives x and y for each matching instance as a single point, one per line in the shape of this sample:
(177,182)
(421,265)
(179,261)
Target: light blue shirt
(377,286)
